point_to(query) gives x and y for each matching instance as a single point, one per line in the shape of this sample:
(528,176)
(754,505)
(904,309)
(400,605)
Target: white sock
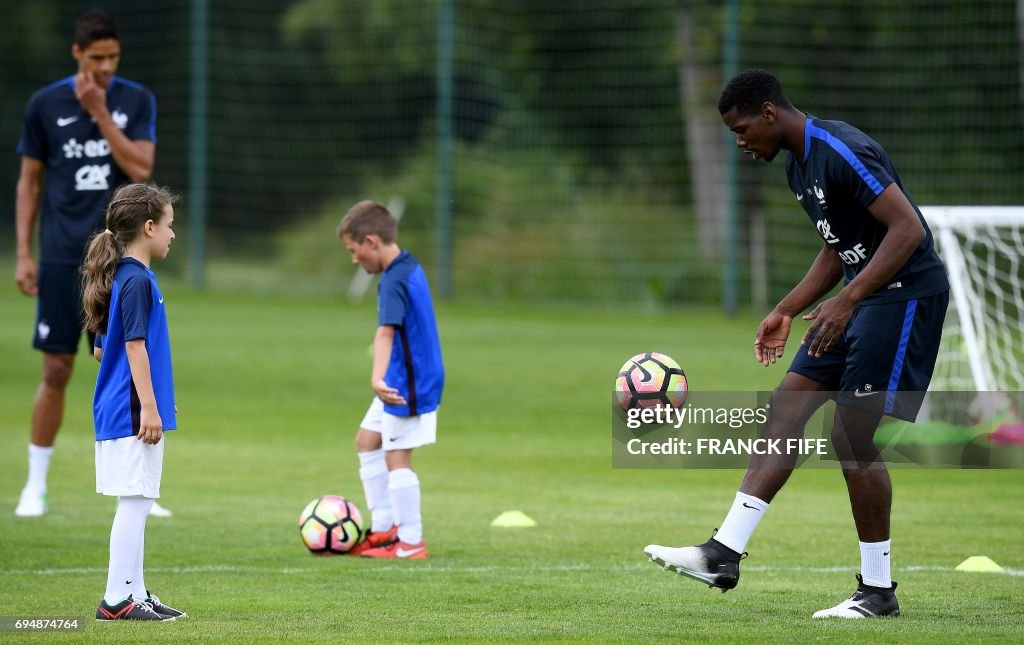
(138,581)
(741,521)
(404,486)
(126,538)
(374,473)
(38,465)
(874,564)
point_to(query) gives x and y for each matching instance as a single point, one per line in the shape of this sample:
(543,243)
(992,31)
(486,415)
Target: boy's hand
(151,427)
(388,395)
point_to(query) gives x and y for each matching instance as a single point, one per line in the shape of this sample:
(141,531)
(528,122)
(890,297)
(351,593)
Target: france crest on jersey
(80,170)
(843,171)
(136,312)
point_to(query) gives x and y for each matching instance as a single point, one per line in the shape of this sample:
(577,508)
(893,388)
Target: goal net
(983,338)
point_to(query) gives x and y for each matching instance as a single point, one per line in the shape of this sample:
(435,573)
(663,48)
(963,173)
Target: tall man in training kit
(87,134)
(872,347)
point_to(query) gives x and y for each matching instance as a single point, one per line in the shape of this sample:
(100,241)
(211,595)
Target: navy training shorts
(885,358)
(59,318)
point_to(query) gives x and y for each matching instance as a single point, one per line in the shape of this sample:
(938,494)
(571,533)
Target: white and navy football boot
(128,609)
(162,609)
(712,562)
(866,602)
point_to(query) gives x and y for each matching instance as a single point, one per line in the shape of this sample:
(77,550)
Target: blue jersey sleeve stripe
(901,353)
(69,81)
(807,138)
(125,81)
(847,154)
(152,117)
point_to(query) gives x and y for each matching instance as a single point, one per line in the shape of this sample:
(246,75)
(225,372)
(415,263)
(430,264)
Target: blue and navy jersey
(843,171)
(136,312)
(80,169)
(415,368)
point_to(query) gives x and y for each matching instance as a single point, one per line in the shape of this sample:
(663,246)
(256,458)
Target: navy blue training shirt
(415,369)
(136,312)
(80,170)
(843,171)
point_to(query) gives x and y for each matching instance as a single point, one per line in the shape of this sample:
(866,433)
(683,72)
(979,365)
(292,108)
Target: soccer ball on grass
(330,525)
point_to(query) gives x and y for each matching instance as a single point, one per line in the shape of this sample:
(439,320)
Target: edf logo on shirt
(92,176)
(850,256)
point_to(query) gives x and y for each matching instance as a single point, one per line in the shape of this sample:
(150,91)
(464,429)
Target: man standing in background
(87,134)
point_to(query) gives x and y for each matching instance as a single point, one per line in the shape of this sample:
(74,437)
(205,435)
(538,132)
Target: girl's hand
(151,427)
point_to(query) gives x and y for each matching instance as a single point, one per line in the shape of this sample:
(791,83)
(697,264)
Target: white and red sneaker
(376,539)
(399,550)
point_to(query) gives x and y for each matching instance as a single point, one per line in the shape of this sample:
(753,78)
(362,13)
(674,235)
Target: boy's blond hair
(369,218)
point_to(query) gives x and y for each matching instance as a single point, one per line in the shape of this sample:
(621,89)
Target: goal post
(983,336)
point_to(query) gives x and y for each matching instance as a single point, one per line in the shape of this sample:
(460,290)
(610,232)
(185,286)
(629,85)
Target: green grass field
(270,393)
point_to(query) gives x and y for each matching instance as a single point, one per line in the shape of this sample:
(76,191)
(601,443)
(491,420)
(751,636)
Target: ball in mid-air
(650,379)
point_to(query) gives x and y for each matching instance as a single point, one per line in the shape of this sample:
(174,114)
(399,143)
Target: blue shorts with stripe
(885,358)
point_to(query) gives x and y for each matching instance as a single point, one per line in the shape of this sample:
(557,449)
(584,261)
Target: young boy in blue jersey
(85,135)
(872,347)
(134,401)
(407,378)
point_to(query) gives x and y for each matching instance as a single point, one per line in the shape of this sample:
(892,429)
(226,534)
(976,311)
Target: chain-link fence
(586,153)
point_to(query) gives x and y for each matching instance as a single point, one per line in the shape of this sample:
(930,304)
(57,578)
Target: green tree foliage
(559,108)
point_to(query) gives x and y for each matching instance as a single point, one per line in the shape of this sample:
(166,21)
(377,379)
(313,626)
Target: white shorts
(400,433)
(128,467)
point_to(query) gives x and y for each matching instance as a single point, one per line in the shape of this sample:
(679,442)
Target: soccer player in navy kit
(872,347)
(407,378)
(134,401)
(87,134)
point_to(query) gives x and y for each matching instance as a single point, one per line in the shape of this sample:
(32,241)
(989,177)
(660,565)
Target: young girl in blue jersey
(134,400)
(407,378)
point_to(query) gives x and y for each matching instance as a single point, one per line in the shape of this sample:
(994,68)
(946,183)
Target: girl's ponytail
(98,279)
